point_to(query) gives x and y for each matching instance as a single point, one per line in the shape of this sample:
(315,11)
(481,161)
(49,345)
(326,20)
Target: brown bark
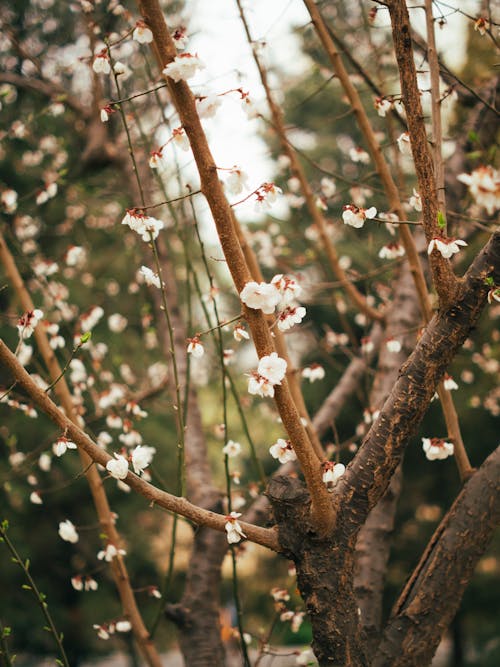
(433,594)
(374,539)
(324,576)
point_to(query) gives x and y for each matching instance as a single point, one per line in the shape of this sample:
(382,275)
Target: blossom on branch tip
(195,347)
(313,372)
(180,37)
(382,106)
(355,216)
(288,288)
(240,333)
(449,383)
(101,63)
(183,67)
(61,445)
(28,322)
(150,277)
(179,137)
(233,529)
(110,552)
(157,160)
(142,33)
(437,448)
(283,451)
(447,247)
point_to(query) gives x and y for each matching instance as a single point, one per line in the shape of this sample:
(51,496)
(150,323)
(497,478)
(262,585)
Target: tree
(333,522)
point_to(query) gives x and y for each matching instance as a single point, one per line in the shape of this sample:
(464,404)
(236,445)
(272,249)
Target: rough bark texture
(324,576)
(374,540)
(433,594)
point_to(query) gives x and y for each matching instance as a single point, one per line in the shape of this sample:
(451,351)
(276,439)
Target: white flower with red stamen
(233,529)
(231,448)
(260,296)
(146,226)
(484,186)
(28,322)
(481,25)
(90,584)
(248,106)
(355,216)
(117,467)
(77,582)
(101,63)
(207,106)
(183,67)
(288,288)
(61,445)
(382,106)
(332,472)
(179,137)
(447,247)
(404,144)
(103,631)
(67,532)
(142,33)
(157,160)
(260,386)
(195,347)
(290,316)
(180,37)
(358,154)
(240,333)
(283,451)
(236,181)
(367,345)
(313,372)
(416,201)
(437,448)
(391,251)
(266,194)
(106,113)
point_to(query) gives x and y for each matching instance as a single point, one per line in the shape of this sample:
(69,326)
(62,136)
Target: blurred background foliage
(43,136)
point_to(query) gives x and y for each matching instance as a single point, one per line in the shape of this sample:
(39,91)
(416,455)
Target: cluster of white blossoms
(391,251)
(283,451)
(146,226)
(105,630)
(150,277)
(270,372)
(437,448)
(234,531)
(265,195)
(484,186)
(355,216)
(332,472)
(313,372)
(447,247)
(28,322)
(140,458)
(280,293)
(109,552)
(183,67)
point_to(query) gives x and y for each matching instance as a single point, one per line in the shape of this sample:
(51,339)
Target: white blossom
(447,247)
(290,316)
(110,552)
(328,187)
(288,288)
(484,186)
(437,448)
(142,33)
(449,383)
(233,529)
(391,251)
(416,201)
(207,106)
(195,347)
(357,154)
(236,181)
(183,67)
(101,63)
(28,322)
(150,277)
(142,457)
(272,368)
(332,473)
(313,372)
(393,345)
(67,532)
(260,296)
(404,144)
(231,448)
(117,467)
(283,451)
(382,105)
(240,333)
(356,216)
(61,445)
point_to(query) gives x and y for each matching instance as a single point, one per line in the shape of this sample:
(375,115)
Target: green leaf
(6,631)
(27,563)
(26,587)
(472,136)
(489,281)
(441,220)
(5,525)
(84,338)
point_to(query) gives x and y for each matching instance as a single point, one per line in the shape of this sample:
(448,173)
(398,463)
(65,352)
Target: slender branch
(265,536)
(211,187)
